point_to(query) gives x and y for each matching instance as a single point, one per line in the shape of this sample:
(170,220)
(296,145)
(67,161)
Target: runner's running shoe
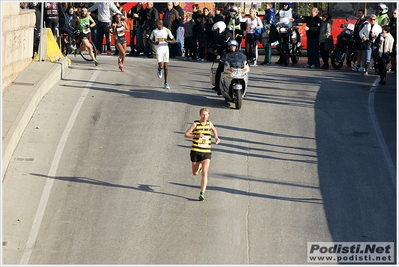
(201,197)
(159,74)
(167,86)
(96,63)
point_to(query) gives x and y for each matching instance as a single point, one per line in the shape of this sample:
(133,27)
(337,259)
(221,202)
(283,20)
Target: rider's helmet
(232,42)
(233,9)
(382,8)
(220,26)
(287,3)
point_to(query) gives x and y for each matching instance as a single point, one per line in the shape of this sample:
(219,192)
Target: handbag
(329,44)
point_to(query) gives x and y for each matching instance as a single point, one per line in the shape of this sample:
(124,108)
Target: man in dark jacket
(171,20)
(138,14)
(270,20)
(313,23)
(152,15)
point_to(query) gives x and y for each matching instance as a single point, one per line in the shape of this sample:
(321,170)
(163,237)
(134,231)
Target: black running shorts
(199,156)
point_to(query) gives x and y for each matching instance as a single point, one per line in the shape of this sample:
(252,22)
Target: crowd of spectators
(197,41)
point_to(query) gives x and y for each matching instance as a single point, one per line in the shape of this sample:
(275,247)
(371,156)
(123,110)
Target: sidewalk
(20,99)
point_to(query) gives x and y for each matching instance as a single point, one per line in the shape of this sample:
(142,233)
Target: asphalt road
(102,173)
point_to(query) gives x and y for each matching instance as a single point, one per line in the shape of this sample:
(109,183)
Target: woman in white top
(251,41)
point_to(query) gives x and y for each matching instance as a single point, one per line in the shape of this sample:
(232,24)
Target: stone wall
(17,40)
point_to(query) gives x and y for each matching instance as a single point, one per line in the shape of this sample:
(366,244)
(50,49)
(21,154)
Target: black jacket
(314,24)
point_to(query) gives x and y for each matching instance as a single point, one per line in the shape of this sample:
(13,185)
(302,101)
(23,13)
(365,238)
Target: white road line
(52,172)
(381,140)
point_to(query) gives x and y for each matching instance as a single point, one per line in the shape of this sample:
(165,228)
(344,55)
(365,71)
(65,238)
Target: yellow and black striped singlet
(202,144)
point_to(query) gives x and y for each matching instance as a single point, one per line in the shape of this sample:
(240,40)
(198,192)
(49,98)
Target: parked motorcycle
(66,49)
(345,46)
(234,78)
(289,45)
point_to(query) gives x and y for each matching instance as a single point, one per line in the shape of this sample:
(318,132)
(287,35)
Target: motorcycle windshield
(236,59)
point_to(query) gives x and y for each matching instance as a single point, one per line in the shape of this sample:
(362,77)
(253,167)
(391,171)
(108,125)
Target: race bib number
(203,141)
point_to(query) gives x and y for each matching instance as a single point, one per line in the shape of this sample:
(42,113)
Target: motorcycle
(289,43)
(234,78)
(345,46)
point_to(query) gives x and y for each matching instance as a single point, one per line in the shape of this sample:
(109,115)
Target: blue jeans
(313,52)
(367,54)
(138,32)
(102,28)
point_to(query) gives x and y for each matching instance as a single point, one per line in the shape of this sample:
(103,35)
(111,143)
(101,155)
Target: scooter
(345,46)
(234,78)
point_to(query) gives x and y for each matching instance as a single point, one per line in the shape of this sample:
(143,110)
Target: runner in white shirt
(161,37)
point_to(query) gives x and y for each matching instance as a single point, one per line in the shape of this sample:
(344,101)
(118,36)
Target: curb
(10,141)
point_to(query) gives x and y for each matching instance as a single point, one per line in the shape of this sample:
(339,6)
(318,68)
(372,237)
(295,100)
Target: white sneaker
(160,74)
(361,69)
(167,86)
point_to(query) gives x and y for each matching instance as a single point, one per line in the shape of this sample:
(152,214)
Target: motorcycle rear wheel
(336,61)
(284,56)
(295,59)
(238,100)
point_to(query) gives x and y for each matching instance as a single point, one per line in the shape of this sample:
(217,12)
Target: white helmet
(383,7)
(232,42)
(220,25)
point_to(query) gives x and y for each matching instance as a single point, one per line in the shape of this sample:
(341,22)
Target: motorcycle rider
(286,16)
(382,17)
(233,22)
(224,37)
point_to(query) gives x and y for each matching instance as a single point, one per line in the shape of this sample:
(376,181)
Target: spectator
(209,24)
(285,17)
(203,39)
(171,20)
(392,26)
(313,23)
(360,23)
(196,17)
(138,14)
(188,36)
(23,5)
(385,42)
(70,17)
(368,34)
(179,32)
(152,16)
(382,17)
(105,10)
(251,41)
(325,33)
(36,33)
(218,17)
(52,17)
(269,19)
